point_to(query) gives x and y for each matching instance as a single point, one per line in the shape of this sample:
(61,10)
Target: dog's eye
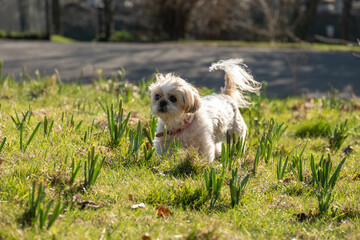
(157,97)
(172,99)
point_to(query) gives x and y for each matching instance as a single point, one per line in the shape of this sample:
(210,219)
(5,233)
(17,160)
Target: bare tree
(109,18)
(169,19)
(274,20)
(281,20)
(47,20)
(306,13)
(346,18)
(56,17)
(22,4)
(213,19)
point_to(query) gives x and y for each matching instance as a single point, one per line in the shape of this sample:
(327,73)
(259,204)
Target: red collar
(180,130)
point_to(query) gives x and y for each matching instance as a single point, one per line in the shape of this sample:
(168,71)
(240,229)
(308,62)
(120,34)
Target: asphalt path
(287,72)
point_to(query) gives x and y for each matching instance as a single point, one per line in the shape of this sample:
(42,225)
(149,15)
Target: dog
(201,122)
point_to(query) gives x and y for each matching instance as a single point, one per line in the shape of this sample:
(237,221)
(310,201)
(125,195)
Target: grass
(305,45)
(313,128)
(61,39)
(94,201)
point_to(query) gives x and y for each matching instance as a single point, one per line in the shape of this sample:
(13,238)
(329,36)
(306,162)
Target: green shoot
(213,184)
(37,210)
(298,167)
(48,127)
(117,126)
(23,146)
(323,183)
(89,132)
(24,119)
(339,136)
(91,168)
(257,159)
(136,140)
(237,187)
(280,168)
(74,170)
(232,150)
(2,144)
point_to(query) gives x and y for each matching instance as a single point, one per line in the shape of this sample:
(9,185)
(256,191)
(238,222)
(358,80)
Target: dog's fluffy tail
(237,80)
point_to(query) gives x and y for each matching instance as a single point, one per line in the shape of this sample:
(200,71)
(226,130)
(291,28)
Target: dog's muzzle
(162,106)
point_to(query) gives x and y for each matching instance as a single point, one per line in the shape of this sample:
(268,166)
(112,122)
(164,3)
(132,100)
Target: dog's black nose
(163,103)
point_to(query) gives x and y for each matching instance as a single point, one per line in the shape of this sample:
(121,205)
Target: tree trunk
(345,19)
(303,24)
(22,14)
(56,15)
(47,20)
(109,19)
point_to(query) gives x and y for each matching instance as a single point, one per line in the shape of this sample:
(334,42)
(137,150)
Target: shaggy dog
(201,122)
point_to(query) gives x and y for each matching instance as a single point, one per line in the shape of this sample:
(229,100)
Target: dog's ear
(159,77)
(192,99)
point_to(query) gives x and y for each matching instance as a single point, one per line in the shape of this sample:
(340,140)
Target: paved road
(287,71)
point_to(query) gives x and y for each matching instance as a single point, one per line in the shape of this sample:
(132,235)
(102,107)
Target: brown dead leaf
(148,145)
(357,177)
(41,112)
(2,160)
(163,212)
(348,150)
(288,180)
(146,237)
(45,183)
(88,204)
(131,198)
(356,106)
(302,216)
(76,197)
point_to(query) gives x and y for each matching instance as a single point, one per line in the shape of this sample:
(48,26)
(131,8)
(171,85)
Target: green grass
(305,45)
(266,208)
(314,128)
(62,39)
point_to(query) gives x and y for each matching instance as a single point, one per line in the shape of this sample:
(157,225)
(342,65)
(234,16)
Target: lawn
(73,165)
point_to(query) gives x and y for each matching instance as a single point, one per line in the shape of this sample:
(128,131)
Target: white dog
(201,122)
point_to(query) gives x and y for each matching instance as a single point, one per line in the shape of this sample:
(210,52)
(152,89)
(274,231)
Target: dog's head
(172,97)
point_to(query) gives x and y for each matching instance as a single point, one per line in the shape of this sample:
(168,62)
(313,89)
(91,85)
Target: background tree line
(255,20)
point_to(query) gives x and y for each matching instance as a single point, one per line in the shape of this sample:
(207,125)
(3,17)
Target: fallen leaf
(146,237)
(40,112)
(76,197)
(357,177)
(88,204)
(1,160)
(163,212)
(287,180)
(131,198)
(148,145)
(140,205)
(348,150)
(302,216)
(45,183)
(356,106)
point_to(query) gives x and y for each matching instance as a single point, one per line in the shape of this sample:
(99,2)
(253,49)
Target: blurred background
(329,21)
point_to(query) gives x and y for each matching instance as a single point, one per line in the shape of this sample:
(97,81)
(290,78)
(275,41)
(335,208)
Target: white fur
(214,115)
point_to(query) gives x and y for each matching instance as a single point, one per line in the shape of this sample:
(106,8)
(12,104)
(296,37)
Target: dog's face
(173,97)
